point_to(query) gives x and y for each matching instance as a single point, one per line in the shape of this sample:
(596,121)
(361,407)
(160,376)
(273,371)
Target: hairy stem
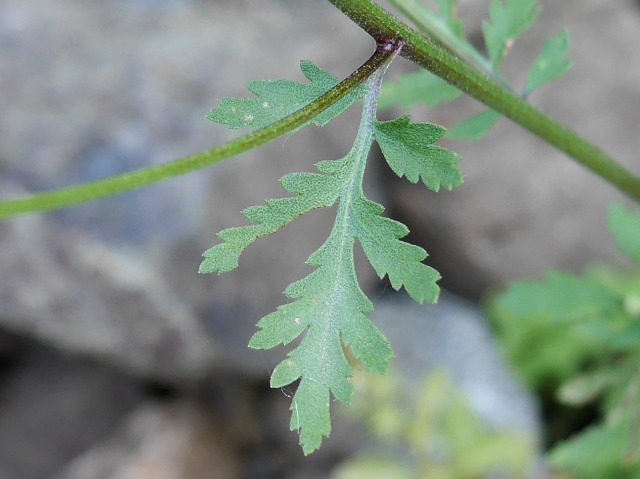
(65,197)
(380,24)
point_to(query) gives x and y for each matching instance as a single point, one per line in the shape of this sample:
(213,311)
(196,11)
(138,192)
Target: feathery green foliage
(550,64)
(409,151)
(582,333)
(276,99)
(329,304)
(508,20)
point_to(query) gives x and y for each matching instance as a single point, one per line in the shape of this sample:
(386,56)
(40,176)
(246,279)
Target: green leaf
(329,306)
(400,261)
(625,227)
(448,12)
(447,25)
(409,150)
(561,297)
(560,348)
(474,127)
(602,451)
(311,191)
(550,64)
(275,99)
(507,21)
(417,87)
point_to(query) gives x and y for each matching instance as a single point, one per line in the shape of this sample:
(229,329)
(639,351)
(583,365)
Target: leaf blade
(551,63)
(409,151)
(275,99)
(507,21)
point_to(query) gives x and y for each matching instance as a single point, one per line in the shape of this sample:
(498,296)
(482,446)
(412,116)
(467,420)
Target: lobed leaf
(551,63)
(329,307)
(311,191)
(276,99)
(507,21)
(400,261)
(448,10)
(409,151)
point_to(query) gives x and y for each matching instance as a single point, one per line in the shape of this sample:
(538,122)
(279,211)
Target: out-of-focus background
(117,360)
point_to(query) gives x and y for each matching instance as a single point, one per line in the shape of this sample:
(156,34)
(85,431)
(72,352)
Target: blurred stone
(453,335)
(525,207)
(83,296)
(175,441)
(92,89)
(52,407)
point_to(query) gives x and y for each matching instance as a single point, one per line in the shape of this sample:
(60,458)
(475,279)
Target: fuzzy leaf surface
(551,63)
(275,99)
(507,21)
(332,308)
(328,305)
(409,151)
(311,190)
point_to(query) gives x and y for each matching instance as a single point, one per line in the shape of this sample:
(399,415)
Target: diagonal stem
(380,24)
(65,197)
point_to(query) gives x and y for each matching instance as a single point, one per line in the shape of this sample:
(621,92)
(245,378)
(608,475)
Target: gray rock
(525,207)
(53,407)
(175,441)
(93,89)
(453,335)
(86,297)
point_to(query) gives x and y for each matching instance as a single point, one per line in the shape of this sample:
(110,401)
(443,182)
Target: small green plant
(432,432)
(329,304)
(329,307)
(582,334)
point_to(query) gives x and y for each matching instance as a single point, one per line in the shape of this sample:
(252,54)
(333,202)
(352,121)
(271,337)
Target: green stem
(65,197)
(381,25)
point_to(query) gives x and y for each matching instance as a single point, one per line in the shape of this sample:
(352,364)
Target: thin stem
(380,24)
(65,197)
